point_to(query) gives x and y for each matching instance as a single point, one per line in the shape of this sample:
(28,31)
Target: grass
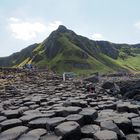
(132,63)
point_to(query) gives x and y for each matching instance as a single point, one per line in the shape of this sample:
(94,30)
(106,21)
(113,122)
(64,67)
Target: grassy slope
(71,52)
(131,62)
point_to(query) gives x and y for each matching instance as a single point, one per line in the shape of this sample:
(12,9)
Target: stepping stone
(10,123)
(38,123)
(13,133)
(132,137)
(40,132)
(73,110)
(29,137)
(10,114)
(77,118)
(51,137)
(26,118)
(87,139)
(109,125)
(130,115)
(124,124)
(133,108)
(89,114)
(123,107)
(136,122)
(88,130)
(53,122)
(68,130)
(105,135)
(2,118)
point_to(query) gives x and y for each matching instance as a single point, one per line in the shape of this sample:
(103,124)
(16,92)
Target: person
(91,88)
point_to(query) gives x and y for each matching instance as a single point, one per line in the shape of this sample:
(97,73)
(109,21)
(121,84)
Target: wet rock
(13,133)
(105,135)
(88,130)
(68,130)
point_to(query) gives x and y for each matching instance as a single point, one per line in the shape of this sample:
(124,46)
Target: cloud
(53,25)
(97,36)
(137,25)
(27,30)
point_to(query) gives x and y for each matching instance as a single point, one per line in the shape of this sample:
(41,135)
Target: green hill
(64,50)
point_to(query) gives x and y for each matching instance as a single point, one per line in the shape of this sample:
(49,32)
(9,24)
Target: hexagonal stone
(10,123)
(26,118)
(51,137)
(130,115)
(73,109)
(109,125)
(77,118)
(123,107)
(132,137)
(124,124)
(105,135)
(29,137)
(88,130)
(87,139)
(136,122)
(10,114)
(13,133)
(133,108)
(39,132)
(89,114)
(68,130)
(53,122)
(38,123)
(2,118)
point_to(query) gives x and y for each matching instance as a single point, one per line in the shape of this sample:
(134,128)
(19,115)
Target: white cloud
(53,25)
(137,25)
(97,36)
(27,30)
(13,19)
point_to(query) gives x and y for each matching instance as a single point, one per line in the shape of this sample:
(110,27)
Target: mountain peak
(62,28)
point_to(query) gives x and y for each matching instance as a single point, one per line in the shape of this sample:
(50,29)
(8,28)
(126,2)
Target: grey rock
(10,123)
(89,114)
(13,133)
(68,130)
(77,118)
(105,135)
(88,130)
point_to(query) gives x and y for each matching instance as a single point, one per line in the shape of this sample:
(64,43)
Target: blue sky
(24,22)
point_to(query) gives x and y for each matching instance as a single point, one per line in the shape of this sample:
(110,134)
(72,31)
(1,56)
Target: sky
(25,22)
